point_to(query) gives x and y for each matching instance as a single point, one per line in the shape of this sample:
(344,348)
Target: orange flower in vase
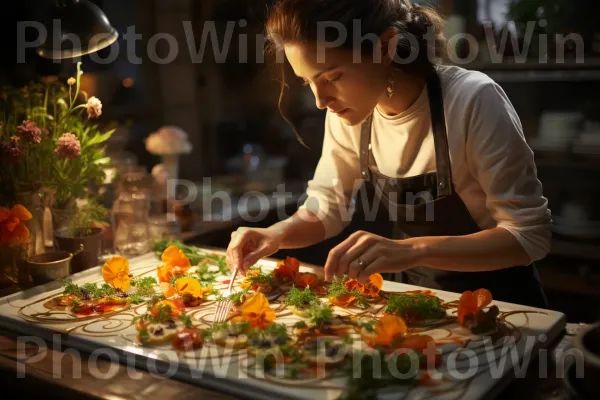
(13,231)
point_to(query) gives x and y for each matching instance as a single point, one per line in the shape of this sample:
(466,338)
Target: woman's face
(349,89)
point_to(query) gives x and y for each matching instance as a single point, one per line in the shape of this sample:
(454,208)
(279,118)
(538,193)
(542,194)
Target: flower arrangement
(13,232)
(47,141)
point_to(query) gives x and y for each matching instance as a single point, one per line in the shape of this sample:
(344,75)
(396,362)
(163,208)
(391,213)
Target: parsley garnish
(144,335)
(320,313)
(415,306)
(187,321)
(261,277)
(144,287)
(301,298)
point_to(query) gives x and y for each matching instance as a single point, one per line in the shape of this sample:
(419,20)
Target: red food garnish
(188,339)
(470,302)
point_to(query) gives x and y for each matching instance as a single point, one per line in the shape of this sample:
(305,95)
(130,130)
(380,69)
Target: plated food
(285,319)
(119,290)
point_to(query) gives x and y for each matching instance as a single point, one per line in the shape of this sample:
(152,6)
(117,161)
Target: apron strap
(440,136)
(365,143)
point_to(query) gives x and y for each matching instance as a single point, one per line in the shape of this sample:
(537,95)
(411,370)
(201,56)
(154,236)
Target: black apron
(427,205)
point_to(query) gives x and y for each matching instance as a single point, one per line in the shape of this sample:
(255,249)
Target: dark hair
(297,21)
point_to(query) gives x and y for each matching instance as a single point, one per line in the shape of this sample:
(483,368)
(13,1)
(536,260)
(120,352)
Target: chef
(442,147)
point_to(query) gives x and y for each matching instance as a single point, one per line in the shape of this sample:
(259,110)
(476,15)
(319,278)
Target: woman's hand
(248,245)
(364,253)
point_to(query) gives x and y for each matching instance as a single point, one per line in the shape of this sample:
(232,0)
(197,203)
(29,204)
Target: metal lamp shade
(76,28)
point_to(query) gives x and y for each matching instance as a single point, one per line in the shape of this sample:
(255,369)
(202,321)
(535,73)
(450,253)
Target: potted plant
(83,235)
(49,151)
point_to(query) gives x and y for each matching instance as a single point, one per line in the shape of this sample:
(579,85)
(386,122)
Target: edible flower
(116,273)
(257,312)
(471,302)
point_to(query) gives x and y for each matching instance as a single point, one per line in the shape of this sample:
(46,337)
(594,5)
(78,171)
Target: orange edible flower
(190,286)
(257,312)
(416,342)
(306,279)
(12,228)
(287,269)
(470,302)
(168,290)
(344,300)
(175,264)
(175,257)
(164,273)
(389,328)
(174,306)
(353,284)
(373,287)
(116,272)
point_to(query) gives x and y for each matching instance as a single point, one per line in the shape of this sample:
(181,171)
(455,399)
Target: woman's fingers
(363,261)
(334,256)
(236,248)
(380,265)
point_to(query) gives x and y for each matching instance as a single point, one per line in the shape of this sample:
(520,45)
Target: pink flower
(11,152)
(68,146)
(94,107)
(30,132)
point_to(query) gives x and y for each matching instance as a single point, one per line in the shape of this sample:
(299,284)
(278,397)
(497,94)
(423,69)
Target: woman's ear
(389,43)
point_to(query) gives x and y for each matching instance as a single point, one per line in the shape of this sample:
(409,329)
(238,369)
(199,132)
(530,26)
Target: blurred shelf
(563,282)
(568,163)
(578,249)
(532,71)
(534,65)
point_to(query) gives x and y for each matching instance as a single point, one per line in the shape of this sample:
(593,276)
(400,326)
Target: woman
(442,146)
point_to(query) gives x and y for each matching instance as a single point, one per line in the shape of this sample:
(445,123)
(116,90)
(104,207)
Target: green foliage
(56,108)
(417,306)
(320,313)
(301,298)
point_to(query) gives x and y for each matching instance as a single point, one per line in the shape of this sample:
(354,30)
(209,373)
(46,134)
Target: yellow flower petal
(190,286)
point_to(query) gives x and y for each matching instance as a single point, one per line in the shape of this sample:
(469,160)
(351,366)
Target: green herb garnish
(187,321)
(260,277)
(414,307)
(320,313)
(301,298)
(144,335)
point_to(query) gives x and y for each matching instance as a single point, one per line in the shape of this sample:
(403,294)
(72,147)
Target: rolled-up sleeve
(500,159)
(337,176)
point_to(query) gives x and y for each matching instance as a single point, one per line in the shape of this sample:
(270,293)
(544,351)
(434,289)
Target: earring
(390,88)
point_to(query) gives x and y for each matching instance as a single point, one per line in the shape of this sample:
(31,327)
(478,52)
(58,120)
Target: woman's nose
(322,99)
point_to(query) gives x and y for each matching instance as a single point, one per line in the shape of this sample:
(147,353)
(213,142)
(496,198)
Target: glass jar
(130,224)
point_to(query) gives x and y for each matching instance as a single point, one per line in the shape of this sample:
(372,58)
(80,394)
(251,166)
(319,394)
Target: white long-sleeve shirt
(493,168)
